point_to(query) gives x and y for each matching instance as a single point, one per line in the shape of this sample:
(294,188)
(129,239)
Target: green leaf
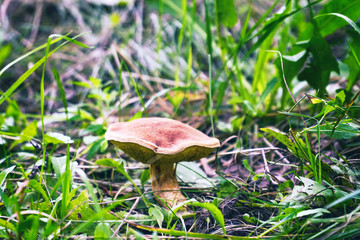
(348,20)
(95,148)
(4,52)
(300,193)
(342,131)
(59,164)
(108,162)
(37,187)
(247,166)
(56,138)
(79,207)
(144,177)
(27,134)
(297,150)
(215,212)
(96,82)
(61,89)
(226,12)
(322,63)
(341,13)
(3,175)
(340,98)
(156,213)
(102,231)
(119,167)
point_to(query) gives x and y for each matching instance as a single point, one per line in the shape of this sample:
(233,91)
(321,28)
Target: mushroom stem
(164,184)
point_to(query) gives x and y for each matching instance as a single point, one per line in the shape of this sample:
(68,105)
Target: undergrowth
(275,81)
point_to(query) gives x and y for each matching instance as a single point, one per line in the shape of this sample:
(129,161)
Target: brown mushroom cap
(160,139)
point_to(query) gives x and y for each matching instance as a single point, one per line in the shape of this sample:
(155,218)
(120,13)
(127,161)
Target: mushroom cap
(150,140)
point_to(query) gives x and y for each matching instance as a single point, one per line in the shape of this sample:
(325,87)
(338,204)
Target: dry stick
(276,151)
(127,215)
(266,166)
(118,64)
(36,22)
(161,102)
(292,96)
(128,61)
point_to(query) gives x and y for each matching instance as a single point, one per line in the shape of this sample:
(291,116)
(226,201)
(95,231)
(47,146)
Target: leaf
(343,12)
(348,20)
(119,167)
(79,207)
(226,12)
(295,149)
(4,52)
(7,225)
(95,148)
(59,165)
(37,187)
(322,63)
(156,213)
(3,175)
(27,134)
(61,89)
(215,212)
(102,231)
(108,162)
(311,188)
(340,98)
(342,131)
(144,177)
(56,138)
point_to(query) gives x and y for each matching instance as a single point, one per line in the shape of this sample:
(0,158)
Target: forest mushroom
(161,142)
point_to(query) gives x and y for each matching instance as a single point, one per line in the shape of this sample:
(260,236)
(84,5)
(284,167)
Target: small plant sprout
(161,142)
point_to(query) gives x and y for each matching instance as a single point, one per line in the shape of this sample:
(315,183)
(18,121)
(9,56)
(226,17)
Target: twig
(127,215)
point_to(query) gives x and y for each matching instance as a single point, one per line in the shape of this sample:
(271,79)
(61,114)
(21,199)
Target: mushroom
(161,142)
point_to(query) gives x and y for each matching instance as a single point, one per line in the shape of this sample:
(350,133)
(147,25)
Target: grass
(276,82)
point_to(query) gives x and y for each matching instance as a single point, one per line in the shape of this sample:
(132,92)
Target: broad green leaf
(102,231)
(156,213)
(108,162)
(300,193)
(340,98)
(215,212)
(59,165)
(226,12)
(119,167)
(95,148)
(144,177)
(3,175)
(27,134)
(317,211)
(80,206)
(96,82)
(322,63)
(297,150)
(4,52)
(342,131)
(346,197)
(56,138)
(37,187)
(341,13)
(7,225)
